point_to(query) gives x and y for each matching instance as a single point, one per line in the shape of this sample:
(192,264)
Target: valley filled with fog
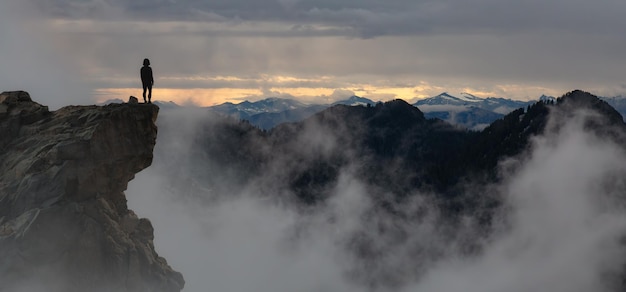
(558,224)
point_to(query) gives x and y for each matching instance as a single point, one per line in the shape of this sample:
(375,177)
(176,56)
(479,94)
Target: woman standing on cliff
(147,80)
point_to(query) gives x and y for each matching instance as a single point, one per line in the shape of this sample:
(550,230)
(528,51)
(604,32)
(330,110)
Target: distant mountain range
(268,113)
(247,109)
(468,110)
(493,104)
(398,149)
(463,109)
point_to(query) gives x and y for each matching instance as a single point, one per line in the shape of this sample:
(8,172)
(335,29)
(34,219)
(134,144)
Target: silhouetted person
(147,80)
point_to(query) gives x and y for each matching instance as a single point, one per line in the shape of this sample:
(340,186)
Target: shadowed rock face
(64,222)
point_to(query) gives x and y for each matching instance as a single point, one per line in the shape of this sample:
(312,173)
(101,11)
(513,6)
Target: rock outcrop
(64,222)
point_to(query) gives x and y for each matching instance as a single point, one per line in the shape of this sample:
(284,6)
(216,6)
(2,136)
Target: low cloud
(565,222)
(559,228)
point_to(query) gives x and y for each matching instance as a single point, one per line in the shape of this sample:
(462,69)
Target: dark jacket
(146,76)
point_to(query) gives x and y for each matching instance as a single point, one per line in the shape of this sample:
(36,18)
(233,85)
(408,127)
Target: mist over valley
(380,198)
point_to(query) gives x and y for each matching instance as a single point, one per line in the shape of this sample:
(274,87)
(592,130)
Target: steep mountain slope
(617,102)
(511,135)
(385,140)
(64,222)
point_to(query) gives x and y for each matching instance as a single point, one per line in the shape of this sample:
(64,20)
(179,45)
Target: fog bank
(559,229)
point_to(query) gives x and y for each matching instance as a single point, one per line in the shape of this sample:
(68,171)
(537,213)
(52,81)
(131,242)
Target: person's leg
(150,94)
(144,93)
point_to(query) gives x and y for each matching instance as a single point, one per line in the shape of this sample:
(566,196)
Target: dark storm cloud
(368,18)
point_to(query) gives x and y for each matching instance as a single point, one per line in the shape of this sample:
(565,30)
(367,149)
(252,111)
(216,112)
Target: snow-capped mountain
(468,110)
(445,98)
(462,109)
(502,105)
(270,112)
(268,120)
(495,104)
(246,109)
(544,97)
(355,100)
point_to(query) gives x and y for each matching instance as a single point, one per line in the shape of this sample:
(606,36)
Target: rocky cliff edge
(64,222)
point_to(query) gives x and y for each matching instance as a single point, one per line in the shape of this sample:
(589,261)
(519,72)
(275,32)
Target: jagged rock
(133,100)
(64,222)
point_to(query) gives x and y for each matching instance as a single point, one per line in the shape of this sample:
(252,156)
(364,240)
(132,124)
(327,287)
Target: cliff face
(64,222)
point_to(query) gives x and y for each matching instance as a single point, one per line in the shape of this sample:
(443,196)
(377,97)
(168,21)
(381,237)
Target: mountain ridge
(468,111)
(430,152)
(467,108)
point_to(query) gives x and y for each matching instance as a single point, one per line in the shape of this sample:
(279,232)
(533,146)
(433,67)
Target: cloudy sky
(208,52)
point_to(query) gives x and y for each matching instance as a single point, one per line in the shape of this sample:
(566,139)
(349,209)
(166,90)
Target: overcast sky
(208,52)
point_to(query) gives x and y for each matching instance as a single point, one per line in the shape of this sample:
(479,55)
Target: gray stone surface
(64,222)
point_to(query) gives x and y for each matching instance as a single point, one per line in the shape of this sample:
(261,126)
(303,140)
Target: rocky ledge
(64,222)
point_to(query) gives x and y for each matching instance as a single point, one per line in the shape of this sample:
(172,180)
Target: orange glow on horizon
(214,96)
(312,95)
(195,96)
